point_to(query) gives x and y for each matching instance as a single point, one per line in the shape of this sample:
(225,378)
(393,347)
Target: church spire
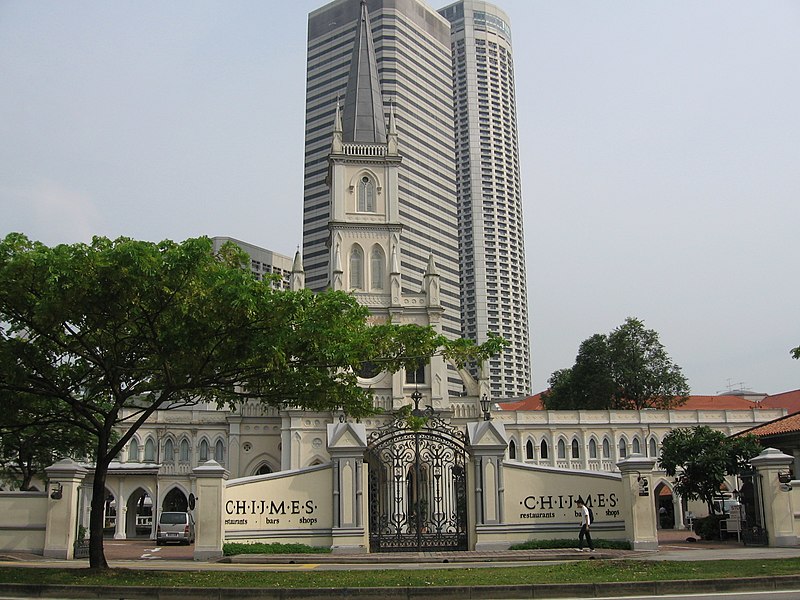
(363,107)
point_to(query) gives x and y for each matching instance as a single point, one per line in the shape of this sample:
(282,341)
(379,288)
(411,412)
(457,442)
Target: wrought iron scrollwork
(417,485)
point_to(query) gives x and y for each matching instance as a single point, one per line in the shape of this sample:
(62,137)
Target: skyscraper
(492,250)
(412,51)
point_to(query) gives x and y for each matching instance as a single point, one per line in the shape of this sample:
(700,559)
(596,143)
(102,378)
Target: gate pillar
(776,499)
(638,508)
(64,483)
(488,443)
(209,515)
(346,445)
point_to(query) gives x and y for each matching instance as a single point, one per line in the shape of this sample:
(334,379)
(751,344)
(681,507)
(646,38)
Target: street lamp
(485,403)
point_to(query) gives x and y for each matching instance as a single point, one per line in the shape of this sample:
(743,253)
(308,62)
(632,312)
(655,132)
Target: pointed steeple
(336,144)
(298,277)
(363,107)
(392,136)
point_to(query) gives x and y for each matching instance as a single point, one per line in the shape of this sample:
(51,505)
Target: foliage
(626,369)
(109,332)
(34,435)
(708,527)
(700,457)
(234,548)
(795,352)
(570,543)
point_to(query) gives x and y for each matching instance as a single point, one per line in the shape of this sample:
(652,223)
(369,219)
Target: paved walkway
(143,554)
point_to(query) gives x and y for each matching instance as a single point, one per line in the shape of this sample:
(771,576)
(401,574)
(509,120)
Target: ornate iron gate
(417,485)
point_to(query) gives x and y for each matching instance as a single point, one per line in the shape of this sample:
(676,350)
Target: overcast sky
(659,142)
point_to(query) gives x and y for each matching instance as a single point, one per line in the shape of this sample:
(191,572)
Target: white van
(175,527)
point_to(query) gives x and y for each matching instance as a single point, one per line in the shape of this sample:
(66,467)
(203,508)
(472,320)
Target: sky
(659,147)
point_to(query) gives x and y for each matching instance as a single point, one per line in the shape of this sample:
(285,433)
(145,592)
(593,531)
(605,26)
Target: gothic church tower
(365,230)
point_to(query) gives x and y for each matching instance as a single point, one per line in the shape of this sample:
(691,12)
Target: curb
(559,590)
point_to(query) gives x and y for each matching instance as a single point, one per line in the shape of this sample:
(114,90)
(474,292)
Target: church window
(149,450)
(263,470)
(562,450)
(184,450)
(623,449)
(544,451)
(203,451)
(592,449)
(219,452)
(377,262)
(637,447)
(653,449)
(366,195)
(356,268)
(606,449)
(575,449)
(529,450)
(416,375)
(133,451)
(169,451)
(512,450)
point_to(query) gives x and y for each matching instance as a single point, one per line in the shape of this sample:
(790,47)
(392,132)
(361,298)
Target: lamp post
(485,404)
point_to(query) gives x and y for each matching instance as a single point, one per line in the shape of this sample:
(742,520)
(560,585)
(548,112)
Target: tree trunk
(97,557)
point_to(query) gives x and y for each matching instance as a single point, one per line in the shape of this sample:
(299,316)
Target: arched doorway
(139,516)
(175,501)
(110,517)
(665,508)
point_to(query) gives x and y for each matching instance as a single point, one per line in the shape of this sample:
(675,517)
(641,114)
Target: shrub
(234,548)
(571,543)
(708,527)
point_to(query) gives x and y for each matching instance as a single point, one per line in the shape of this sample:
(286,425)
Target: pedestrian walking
(586,521)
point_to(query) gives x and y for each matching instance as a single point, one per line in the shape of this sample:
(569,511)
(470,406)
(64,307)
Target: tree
(626,369)
(33,436)
(795,352)
(700,457)
(95,328)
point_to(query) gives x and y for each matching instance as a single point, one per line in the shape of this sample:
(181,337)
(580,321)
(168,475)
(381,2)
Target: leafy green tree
(96,328)
(795,352)
(33,435)
(700,457)
(626,369)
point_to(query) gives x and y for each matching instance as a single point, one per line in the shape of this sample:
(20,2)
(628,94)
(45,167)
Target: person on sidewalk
(586,521)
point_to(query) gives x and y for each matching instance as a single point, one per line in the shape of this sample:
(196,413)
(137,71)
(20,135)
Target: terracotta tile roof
(788,400)
(787,424)
(530,403)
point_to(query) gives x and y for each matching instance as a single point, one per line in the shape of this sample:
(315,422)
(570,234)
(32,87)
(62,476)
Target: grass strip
(572,572)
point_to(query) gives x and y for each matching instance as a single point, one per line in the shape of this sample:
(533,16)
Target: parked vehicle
(175,527)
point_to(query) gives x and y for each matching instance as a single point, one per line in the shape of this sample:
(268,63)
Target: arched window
(263,470)
(203,451)
(592,449)
(366,195)
(169,451)
(184,450)
(562,449)
(377,263)
(219,452)
(653,448)
(416,375)
(636,446)
(133,451)
(529,450)
(512,450)
(543,453)
(606,448)
(149,450)
(356,268)
(623,448)
(576,452)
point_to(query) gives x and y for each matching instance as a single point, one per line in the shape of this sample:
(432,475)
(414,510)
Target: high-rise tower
(414,69)
(492,250)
